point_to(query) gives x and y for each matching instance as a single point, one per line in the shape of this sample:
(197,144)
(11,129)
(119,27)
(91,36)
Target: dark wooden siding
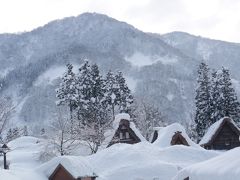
(124,134)
(61,174)
(226,139)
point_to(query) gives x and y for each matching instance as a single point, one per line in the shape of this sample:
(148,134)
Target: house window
(127,135)
(121,135)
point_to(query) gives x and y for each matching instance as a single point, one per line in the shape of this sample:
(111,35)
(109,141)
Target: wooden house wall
(124,128)
(61,174)
(226,139)
(130,140)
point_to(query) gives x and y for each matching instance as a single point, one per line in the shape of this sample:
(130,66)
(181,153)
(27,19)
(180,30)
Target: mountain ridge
(163,73)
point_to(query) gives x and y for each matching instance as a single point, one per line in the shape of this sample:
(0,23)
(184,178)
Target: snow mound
(24,152)
(145,161)
(8,175)
(76,165)
(213,128)
(23,142)
(165,136)
(223,167)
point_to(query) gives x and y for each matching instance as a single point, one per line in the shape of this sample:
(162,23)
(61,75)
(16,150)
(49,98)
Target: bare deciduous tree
(147,116)
(6,110)
(62,138)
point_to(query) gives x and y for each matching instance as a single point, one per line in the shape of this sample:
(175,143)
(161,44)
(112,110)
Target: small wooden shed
(124,131)
(222,135)
(68,168)
(61,173)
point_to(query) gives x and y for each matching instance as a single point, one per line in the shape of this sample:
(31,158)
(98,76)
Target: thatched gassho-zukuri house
(178,139)
(124,131)
(67,168)
(222,135)
(173,134)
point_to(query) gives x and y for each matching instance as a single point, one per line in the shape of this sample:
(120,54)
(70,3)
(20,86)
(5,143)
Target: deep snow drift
(142,161)
(223,167)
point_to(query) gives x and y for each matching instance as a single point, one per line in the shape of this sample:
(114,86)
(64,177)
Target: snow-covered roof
(110,133)
(77,166)
(223,167)
(165,135)
(118,118)
(213,129)
(157,128)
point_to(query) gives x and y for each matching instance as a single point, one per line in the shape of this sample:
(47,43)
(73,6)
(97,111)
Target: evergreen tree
(230,104)
(216,98)
(83,91)
(111,91)
(202,100)
(124,99)
(93,111)
(67,91)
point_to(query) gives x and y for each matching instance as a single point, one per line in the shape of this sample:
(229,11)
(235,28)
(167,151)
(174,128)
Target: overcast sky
(217,19)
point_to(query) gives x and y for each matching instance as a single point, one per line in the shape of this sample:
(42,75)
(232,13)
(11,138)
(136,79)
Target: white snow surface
(165,136)
(223,167)
(76,165)
(119,117)
(142,161)
(24,152)
(212,130)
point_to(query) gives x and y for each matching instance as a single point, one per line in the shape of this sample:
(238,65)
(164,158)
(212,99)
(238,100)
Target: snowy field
(142,161)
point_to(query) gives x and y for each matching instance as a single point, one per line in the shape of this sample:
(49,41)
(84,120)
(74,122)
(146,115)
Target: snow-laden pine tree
(83,91)
(111,91)
(202,100)
(92,107)
(124,98)
(229,105)
(216,97)
(67,91)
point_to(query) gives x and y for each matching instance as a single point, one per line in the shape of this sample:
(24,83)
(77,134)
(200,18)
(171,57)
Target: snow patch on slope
(53,73)
(139,60)
(131,82)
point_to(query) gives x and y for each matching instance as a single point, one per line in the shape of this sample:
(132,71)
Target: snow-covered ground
(223,167)
(142,161)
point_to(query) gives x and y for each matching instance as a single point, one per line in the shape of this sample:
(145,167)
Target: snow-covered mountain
(159,68)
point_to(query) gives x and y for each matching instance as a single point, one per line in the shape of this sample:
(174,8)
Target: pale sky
(216,19)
